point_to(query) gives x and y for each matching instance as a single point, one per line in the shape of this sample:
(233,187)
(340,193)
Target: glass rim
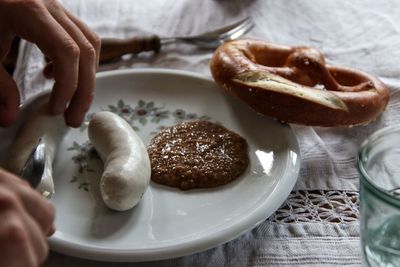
(365,177)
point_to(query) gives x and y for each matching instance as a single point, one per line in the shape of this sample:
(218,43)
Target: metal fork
(214,38)
(112,48)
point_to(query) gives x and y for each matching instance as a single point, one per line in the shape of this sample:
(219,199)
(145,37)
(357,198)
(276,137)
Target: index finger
(41,28)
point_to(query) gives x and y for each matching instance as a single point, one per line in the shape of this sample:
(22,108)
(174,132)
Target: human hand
(26,220)
(73,50)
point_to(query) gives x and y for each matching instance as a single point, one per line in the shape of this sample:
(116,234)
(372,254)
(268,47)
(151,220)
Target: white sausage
(127,169)
(39,123)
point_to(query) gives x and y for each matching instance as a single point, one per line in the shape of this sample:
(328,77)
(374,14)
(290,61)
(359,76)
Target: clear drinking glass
(379,167)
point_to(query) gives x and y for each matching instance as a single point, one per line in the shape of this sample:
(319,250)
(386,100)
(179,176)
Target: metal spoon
(33,169)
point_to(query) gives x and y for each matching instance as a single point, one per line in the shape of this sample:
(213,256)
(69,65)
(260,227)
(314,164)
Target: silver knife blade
(33,169)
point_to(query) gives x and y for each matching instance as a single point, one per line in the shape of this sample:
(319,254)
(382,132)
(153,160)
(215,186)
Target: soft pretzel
(294,85)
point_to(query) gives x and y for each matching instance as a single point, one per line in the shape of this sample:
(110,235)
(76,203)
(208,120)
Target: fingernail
(52,230)
(74,118)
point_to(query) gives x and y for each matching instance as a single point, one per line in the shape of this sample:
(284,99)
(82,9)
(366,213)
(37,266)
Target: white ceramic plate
(168,222)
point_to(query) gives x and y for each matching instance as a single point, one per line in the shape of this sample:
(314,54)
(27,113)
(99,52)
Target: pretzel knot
(295,85)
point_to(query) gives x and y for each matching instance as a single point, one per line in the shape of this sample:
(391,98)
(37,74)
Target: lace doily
(318,206)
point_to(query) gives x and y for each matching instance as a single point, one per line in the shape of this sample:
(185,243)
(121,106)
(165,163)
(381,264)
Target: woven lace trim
(318,206)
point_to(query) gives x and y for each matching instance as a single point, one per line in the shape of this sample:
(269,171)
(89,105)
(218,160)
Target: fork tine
(241,32)
(225,29)
(214,38)
(238,31)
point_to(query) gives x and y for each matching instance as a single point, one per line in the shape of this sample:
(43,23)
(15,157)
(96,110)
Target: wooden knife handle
(112,48)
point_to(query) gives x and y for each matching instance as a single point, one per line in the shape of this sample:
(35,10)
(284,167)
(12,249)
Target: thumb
(9,99)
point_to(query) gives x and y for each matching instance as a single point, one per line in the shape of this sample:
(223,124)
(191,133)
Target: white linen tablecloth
(318,224)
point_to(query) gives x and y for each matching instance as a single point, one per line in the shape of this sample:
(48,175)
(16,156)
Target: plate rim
(192,246)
